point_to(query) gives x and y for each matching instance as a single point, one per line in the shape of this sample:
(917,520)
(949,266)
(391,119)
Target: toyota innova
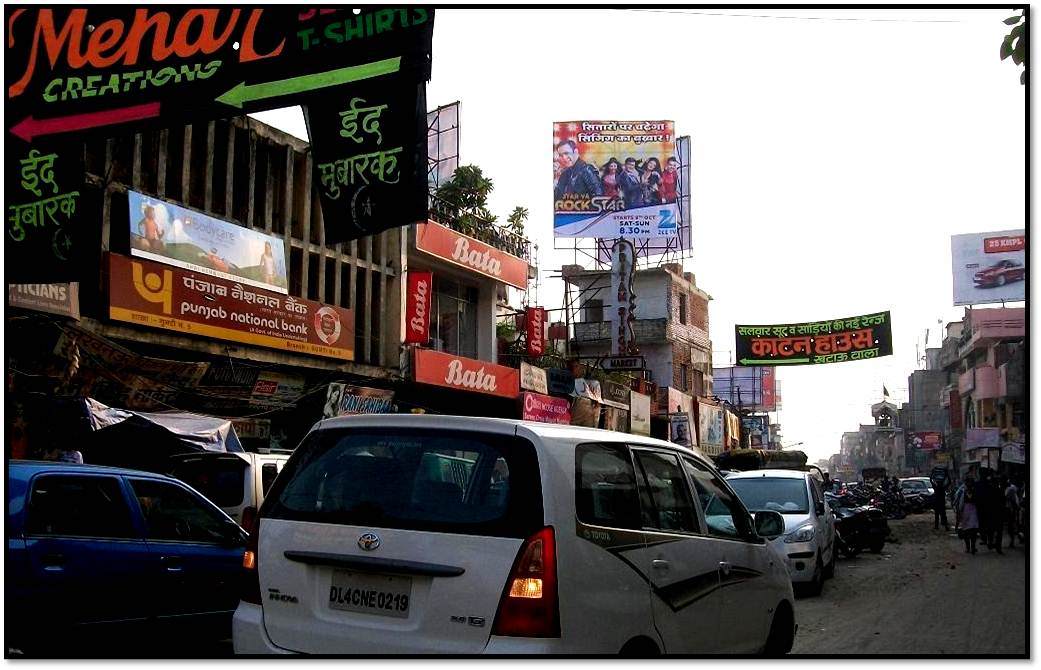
(418,534)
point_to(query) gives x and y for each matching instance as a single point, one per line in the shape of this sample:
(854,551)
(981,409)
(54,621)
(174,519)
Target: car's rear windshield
(220,479)
(445,481)
(787,496)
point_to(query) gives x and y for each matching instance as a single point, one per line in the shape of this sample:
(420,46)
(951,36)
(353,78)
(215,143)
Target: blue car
(100,550)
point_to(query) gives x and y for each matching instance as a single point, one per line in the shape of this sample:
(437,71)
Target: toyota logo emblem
(369,541)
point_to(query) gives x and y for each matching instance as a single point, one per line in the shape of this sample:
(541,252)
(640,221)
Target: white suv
(809,524)
(412,534)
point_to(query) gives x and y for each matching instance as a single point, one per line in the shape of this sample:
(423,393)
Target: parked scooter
(857,527)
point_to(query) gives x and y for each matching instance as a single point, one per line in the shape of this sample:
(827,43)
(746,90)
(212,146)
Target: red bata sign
(534,323)
(466,252)
(544,408)
(417,305)
(458,372)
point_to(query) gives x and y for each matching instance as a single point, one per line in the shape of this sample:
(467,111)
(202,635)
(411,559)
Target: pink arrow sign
(29,127)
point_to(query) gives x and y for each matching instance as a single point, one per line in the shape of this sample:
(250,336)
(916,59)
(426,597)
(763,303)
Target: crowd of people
(987,509)
(636,183)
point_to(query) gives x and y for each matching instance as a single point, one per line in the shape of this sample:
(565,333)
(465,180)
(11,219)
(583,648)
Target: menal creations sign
(168,233)
(839,340)
(615,179)
(989,267)
(150,294)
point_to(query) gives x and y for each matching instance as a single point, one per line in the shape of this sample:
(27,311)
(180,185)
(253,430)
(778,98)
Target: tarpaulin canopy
(145,440)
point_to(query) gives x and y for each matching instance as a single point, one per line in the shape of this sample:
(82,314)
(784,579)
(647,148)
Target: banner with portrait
(615,179)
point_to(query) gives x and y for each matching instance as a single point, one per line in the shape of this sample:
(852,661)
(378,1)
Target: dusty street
(922,595)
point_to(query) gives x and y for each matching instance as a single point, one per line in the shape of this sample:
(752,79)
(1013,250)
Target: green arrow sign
(271,89)
(773,361)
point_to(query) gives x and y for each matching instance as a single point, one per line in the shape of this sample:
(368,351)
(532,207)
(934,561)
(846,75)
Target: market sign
(927,441)
(533,378)
(839,340)
(61,299)
(168,233)
(615,179)
(466,252)
(160,296)
(544,408)
(467,374)
(612,363)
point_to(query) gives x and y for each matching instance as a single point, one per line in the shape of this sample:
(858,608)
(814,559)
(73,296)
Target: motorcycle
(857,527)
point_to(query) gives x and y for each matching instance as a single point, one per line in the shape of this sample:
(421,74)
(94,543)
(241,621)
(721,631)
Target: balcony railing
(486,231)
(646,331)
(986,383)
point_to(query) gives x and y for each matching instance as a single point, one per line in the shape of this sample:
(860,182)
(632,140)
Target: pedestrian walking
(940,503)
(1011,510)
(983,509)
(968,518)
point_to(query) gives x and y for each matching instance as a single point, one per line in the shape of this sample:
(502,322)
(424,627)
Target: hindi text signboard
(160,296)
(838,340)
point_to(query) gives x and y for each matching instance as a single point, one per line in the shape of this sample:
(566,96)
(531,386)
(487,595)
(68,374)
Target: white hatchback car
(809,524)
(412,534)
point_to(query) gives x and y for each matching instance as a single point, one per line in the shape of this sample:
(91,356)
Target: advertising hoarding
(982,438)
(160,296)
(344,399)
(711,425)
(545,408)
(639,413)
(623,314)
(679,428)
(989,267)
(533,378)
(927,441)
(750,387)
(418,301)
(535,330)
(168,233)
(458,372)
(615,179)
(62,299)
(835,341)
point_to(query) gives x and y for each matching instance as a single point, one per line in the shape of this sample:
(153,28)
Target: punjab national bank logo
(154,288)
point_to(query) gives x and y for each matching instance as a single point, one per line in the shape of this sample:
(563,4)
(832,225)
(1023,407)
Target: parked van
(232,481)
(415,534)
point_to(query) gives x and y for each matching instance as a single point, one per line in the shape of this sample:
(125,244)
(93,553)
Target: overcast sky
(834,154)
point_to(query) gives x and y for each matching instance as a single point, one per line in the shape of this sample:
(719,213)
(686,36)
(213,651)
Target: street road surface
(921,595)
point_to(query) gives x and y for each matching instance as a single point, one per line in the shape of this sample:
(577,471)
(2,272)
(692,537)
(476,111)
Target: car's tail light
(528,606)
(250,591)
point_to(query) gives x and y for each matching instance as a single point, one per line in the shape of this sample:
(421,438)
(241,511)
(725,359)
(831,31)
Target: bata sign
(417,330)
(438,369)
(466,252)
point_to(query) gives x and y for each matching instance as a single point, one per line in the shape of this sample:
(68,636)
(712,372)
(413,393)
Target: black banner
(369,151)
(839,340)
(72,72)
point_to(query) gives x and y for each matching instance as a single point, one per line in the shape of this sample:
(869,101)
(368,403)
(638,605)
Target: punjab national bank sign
(161,296)
(834,341)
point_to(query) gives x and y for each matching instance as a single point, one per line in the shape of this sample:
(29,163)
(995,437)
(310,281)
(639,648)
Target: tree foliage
(466,193)
(1015,43)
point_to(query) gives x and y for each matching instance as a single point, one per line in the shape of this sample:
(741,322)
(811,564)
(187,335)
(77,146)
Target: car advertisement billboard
(168,233)
(615,179)
(989,267)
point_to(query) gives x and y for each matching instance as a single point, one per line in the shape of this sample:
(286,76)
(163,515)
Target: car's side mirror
(769,524)
(233,535)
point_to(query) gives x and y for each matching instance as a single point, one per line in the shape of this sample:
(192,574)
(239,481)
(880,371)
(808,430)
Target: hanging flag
(417,305)
(885,391)
(534,325)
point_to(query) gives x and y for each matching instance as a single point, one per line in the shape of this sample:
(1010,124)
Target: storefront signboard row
(466,374)
(544,408)
(150,294)
(533,378)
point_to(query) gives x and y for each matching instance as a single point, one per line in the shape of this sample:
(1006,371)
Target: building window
(683,308)
(684,377)
(455,318)
(594,310)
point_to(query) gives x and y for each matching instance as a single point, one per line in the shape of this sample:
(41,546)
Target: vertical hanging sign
(534,324)
(418,305)
(623,339)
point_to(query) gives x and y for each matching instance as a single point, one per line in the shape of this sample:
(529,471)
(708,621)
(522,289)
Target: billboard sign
(927,441)
(545,408)
(750,388)
(418,301)
(711,424)
(533,378)
(61,299)
(839,340)
(344,399)
(615,179)
(989,267)
(639,413)
(160,296)
(168,233)
(467,374)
